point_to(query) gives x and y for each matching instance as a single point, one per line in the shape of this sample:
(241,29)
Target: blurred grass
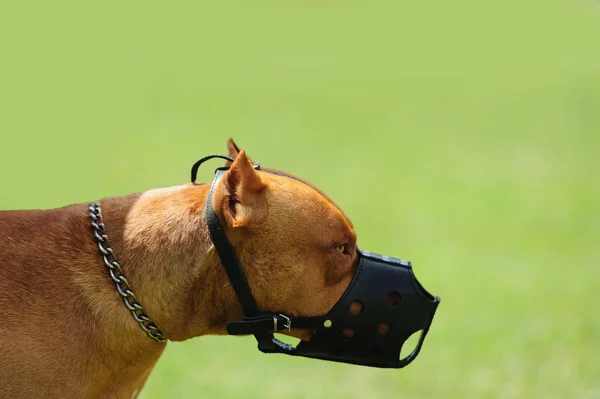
(462,135)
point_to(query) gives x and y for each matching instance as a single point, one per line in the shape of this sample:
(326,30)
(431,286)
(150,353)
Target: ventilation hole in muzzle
(348,333)
(394,299)
(356,307)
(384,329)
(410,345)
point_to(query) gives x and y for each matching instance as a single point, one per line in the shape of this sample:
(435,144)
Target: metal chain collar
(116,274)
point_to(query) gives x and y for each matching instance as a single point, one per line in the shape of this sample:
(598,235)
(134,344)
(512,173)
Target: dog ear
(242,198)
(234,151)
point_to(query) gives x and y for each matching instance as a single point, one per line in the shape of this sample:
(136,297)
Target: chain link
(116,274)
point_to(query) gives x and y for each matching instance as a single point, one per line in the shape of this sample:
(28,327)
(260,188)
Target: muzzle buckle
(287,325)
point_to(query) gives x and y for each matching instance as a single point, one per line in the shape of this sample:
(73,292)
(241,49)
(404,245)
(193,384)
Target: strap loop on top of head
(200,162)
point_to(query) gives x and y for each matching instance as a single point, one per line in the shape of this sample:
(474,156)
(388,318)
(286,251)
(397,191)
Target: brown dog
(64,330)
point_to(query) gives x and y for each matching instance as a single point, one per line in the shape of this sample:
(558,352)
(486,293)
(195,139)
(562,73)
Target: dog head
(297,247)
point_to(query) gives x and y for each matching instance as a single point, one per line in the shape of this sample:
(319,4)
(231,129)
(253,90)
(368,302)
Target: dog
(64,329)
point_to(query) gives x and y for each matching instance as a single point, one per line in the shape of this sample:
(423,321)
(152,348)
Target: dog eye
(341,249)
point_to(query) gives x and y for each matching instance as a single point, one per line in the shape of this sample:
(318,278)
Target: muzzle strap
(226,254)
(270,323)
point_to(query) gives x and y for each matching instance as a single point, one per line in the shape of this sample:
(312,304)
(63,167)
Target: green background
(462,135)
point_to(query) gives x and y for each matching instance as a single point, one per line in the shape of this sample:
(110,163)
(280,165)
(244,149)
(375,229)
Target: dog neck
(161,240)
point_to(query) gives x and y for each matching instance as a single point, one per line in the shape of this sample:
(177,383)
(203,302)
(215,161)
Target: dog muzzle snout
(382,307)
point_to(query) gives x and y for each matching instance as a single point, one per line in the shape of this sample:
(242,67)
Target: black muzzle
(381,308)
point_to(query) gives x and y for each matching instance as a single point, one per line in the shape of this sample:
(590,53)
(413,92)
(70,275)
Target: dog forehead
(298,185)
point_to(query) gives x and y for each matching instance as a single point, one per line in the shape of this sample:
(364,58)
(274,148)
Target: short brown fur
(64,331)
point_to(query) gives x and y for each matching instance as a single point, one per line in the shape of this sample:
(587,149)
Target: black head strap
(225,252)
(201,161)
